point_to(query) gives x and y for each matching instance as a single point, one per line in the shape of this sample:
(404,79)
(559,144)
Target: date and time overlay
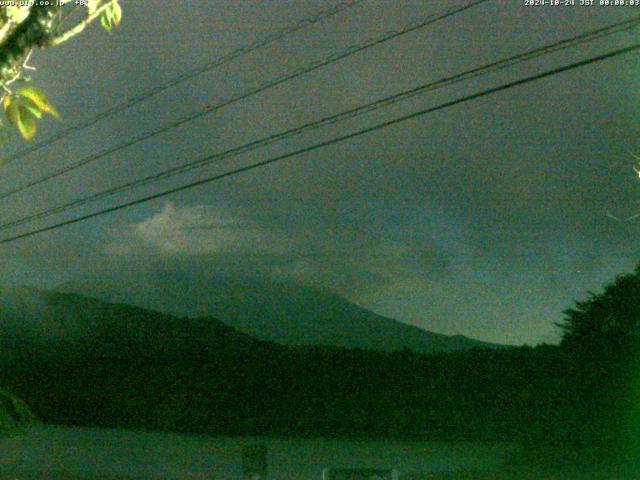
(44,3)
(526,3)
(581,3)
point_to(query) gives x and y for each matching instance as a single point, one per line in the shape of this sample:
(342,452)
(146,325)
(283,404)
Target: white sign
(359,474)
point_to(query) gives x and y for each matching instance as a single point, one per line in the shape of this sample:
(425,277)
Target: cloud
(196,230)
(509,189)
(198,240)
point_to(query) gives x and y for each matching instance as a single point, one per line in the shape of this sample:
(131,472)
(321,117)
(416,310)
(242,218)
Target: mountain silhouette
(285,313)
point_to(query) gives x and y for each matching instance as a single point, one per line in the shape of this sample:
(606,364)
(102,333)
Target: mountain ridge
(280,312)
(90,363)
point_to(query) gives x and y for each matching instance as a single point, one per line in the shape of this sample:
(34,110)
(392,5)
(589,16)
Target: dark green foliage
(128,367)
(600,372)
(607,323)
(139,369)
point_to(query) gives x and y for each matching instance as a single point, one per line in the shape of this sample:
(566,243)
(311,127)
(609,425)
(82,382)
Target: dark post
(254,462)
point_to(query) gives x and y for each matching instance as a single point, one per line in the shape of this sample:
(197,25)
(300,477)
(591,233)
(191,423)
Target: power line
(330,120)
(254,91)
(188,75)
(327,143)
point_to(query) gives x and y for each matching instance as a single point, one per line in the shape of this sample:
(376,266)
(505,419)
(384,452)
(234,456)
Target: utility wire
(188,75)
(241,96)
(327,143)
(330,120)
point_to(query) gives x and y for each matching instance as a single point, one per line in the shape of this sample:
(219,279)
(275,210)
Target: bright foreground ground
(70,453)
(471,475)
(60,453)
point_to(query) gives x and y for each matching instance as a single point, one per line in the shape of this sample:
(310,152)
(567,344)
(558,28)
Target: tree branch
(34,31)
(72,32)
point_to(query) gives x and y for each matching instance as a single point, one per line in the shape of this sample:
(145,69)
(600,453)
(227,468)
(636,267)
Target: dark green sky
(486,219)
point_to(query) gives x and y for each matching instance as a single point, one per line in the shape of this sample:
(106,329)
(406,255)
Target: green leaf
(111,16)
(35,97)
(26,123)
(92,6)
(105,21)
(24,107)
(116,13)
(11,109)
(22,116)
(32,107)
(17,13)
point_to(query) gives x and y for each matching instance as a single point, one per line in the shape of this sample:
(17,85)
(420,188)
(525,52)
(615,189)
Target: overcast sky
(485,219)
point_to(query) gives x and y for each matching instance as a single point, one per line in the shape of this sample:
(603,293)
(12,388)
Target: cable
(188,75)
(327,143)
(348,114)
(236,98)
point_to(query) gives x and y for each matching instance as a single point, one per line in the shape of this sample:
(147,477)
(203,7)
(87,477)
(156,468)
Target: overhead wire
(352,50)
(187,75)
(335,140)
(335,118)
